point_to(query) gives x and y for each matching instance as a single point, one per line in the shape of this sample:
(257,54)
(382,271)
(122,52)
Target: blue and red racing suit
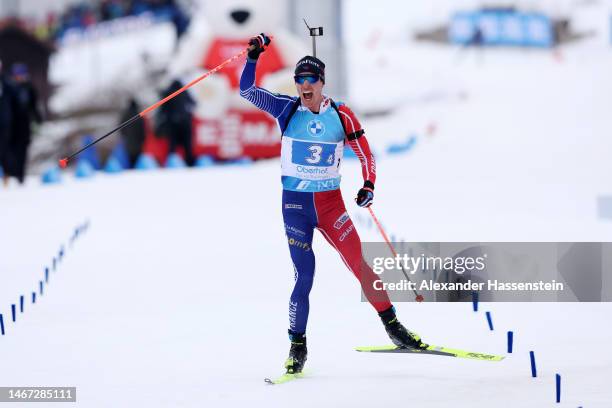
(311,150)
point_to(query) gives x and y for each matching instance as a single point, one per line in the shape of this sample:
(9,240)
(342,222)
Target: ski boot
(297,353)
(399,335)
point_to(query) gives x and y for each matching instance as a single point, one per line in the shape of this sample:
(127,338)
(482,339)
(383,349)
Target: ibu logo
(316,128)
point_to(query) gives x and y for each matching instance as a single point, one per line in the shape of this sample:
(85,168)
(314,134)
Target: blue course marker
(205,161)
(1,324)
(40,287)
(558,378)
(13,312)
(84,169)
(54,263)
(47,274)
(21,299)
(33,297)
(490,321)
(534,372)
(510,341)
(475,301)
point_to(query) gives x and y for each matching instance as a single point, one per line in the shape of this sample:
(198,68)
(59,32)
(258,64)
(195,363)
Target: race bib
(313,154)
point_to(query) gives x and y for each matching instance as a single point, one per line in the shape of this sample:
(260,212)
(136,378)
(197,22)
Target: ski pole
(418,298)
(64,162)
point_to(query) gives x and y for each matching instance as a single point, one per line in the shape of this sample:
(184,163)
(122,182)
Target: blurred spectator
(7,106)
(25,111)
(112,9)
(133,135)
(179,19)
(175,119)
(84,14)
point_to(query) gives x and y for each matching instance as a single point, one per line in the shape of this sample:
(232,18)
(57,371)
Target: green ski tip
(283,378)
(435,350)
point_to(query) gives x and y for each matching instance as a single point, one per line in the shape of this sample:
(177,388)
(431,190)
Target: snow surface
(177,295)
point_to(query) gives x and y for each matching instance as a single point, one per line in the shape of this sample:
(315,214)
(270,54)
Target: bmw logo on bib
(316,128)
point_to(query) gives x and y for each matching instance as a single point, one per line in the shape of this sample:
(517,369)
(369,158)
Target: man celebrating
(314,130)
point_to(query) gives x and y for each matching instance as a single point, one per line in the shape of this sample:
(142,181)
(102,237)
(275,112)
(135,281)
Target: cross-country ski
(431,349)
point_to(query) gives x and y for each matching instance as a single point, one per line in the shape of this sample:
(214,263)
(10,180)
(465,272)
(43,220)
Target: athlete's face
(310,89)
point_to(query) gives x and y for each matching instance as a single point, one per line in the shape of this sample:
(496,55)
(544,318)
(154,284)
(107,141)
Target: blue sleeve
(274,104)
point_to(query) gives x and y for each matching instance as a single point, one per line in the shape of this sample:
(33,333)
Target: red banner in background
(224,48)
(237,134)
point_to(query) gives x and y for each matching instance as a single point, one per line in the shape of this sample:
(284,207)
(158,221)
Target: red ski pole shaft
(64,162)
(419,298)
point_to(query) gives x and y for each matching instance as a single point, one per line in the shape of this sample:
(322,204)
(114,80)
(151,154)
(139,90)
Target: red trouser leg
(338,229)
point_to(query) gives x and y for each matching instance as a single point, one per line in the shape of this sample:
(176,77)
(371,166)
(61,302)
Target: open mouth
(307,95)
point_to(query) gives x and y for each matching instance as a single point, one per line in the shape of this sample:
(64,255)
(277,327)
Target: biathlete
(314,130)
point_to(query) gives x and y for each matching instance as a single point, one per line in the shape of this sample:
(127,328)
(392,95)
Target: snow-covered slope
(177,294)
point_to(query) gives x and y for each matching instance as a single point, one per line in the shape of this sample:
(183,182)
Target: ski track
(176,298)
(177,294)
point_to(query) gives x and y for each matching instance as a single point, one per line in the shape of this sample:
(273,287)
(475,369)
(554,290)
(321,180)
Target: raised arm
(265,100)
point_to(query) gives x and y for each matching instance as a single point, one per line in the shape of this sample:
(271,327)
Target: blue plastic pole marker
(13,312)
(205,161)
(475,301)
(241,161)
(175,161)
(47,275)
(146,162)
(2,324)
(534,373)
(121,154)
(84,169)
(21,299)
(558,378)
(91,154)
(33,297)
(490,320)
(113,165)
(52,175)
(510,341)
(40,287)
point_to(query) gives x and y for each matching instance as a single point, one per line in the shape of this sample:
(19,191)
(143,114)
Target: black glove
(258,45)
(365,196)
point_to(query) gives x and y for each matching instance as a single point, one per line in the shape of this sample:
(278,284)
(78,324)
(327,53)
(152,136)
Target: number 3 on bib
(313,154)
(316,154)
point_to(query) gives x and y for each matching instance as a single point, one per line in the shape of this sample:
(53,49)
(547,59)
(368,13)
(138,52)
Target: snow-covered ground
(177,294)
